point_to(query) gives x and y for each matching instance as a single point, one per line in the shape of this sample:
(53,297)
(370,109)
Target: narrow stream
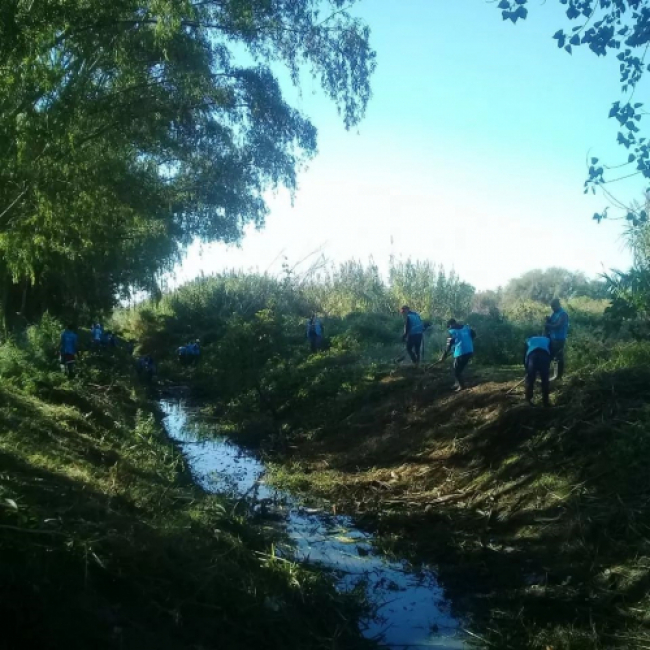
(411,611)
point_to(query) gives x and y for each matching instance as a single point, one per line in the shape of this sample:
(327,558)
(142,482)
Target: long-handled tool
(519,383)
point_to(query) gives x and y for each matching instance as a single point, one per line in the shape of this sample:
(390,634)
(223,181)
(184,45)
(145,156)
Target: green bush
(31,358)
(499,341)
(367,328)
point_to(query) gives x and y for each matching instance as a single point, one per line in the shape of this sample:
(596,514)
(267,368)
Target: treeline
(129,128)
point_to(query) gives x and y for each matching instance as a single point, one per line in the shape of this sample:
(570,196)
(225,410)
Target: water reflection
(411,609)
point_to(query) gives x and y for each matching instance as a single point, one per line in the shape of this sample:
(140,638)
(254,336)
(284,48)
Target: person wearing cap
(537,361)
(461,340)
(413,331)
(557,329)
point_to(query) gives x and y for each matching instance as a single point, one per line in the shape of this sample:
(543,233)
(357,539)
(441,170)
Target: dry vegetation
(536,518)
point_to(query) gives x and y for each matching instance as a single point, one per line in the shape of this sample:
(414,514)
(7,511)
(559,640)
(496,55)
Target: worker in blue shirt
(413,332)
(537,361)
(68,350)
(146,367)
(461,340)
(96,334)
(557,329)
(315,332)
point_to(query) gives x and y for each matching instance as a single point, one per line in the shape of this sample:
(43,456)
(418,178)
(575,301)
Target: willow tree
(128,128)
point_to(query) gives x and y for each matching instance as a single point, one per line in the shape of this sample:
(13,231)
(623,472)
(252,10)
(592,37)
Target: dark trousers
(538,362)
(460,363)
(557,354)
(315,342)
(67,361)
(413,346)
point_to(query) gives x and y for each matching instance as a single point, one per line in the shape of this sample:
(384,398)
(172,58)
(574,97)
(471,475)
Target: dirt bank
(537,519)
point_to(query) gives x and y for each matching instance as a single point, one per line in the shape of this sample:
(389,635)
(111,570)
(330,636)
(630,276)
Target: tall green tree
(544,285)
(129,128)
(429,289)
(351,287)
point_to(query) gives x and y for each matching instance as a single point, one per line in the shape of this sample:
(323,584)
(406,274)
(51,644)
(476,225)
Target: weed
(106,543)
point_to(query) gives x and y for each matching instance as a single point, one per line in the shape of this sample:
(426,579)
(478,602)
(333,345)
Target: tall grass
(361,306)
(106,543)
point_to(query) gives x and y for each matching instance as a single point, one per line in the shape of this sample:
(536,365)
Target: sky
(472,154)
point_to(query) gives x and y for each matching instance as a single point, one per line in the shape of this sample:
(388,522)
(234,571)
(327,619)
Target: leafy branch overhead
(129,128)
(622,28)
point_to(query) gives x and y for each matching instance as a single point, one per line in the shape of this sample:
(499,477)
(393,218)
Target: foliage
(630,291)
(500,341)
(107,543)
(30,359)
(487,302)
(429,289)
(129,128)
(615,26)
(543,286)
(252,327)
(424,286)
(352,287)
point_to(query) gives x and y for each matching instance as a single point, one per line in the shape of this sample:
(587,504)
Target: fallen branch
(33,531)
(519,383)
(443,499)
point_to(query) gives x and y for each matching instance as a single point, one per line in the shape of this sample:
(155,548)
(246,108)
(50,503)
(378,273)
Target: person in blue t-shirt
(96,333)
(194,349)
(557,329)
(315,332)
(413,332)
(537,361)
(68,350)
(461,340)
(146,367)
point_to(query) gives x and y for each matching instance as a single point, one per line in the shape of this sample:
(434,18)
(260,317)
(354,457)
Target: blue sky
(472,153)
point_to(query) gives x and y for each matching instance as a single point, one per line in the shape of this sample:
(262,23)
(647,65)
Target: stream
(410,609)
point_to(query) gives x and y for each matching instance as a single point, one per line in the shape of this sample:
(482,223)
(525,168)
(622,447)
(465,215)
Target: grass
(106,543)
(537,520)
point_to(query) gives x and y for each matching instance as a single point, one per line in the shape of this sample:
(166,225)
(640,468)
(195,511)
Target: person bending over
(537,361)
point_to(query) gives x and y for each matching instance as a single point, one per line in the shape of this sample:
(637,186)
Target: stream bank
(536,519)
(410,610)
(107,543)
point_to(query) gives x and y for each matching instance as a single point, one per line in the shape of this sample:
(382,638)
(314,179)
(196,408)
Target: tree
(351,287)
(544,285)
(129,128)
(488,303)
(610,26)
(429,289)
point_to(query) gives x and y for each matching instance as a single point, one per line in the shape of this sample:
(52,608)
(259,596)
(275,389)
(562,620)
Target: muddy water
(411,611)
